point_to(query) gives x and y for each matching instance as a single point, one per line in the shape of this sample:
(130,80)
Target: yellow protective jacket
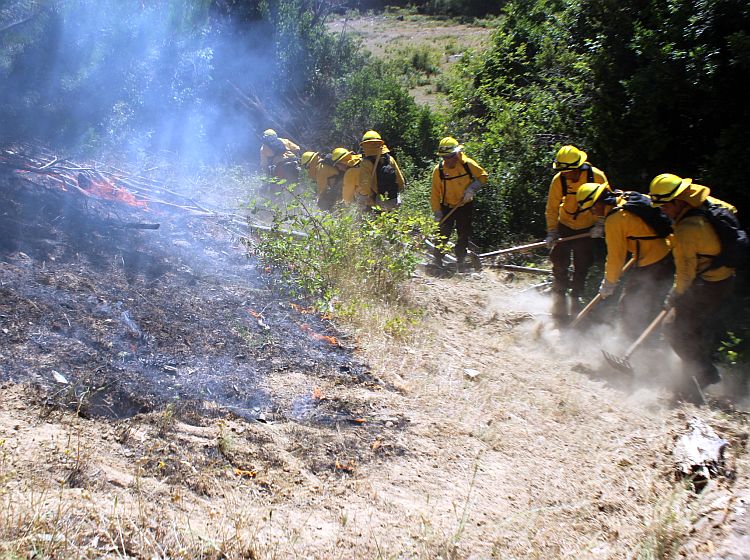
(351,178)
(621,232)
(326,176)
(367,183)
(561,209)
(694,237)
(312,168)
(268,158)
(449,189)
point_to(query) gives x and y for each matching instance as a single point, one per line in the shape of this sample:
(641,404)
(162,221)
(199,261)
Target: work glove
(552,237)
(597,232)
(607,288)
(438,215)
(471,191)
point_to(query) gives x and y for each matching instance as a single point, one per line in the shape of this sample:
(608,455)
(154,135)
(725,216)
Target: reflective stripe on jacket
(450,191)
(561,209)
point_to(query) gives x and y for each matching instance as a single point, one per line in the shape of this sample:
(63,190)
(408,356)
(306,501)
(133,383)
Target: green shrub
(345,254)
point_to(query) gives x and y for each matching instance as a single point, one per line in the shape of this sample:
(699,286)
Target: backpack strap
(445,179)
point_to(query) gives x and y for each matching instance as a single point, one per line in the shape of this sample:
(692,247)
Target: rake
(622,363)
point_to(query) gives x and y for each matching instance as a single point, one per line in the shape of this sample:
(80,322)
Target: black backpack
(275,144)
(589,178)
(640,205)
(735,247)
(385,175)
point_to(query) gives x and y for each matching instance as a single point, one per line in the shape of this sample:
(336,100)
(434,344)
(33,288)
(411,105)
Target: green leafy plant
(345,254)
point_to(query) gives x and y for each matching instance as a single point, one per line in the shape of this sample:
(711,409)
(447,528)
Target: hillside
(162,397)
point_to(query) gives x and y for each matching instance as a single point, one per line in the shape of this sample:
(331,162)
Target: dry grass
(527,459)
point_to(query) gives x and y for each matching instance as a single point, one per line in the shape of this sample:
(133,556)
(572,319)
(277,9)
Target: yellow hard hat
(587,195)
(269,133)
(370,136)
(338,154)
(449,146)
(307,157)
(667,187)
(569,157)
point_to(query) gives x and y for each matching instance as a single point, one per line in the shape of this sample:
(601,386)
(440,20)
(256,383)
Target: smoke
(656,368)
(139,77)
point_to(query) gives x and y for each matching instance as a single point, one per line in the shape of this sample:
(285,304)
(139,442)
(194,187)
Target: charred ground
(112,320)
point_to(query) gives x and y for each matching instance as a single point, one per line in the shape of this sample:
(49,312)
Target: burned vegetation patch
(118,308)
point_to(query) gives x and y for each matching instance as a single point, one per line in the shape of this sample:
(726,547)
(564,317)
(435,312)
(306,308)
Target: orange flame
(102,188)
(317,394)
(317,336)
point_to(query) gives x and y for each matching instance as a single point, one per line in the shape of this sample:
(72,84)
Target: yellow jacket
(326,176)
(312,167)
(450,189)
(561,209)
(351,178)
(367,183)
(619,229)
(693,238)
(267,156)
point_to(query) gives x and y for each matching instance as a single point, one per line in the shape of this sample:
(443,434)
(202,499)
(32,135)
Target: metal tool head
(620,363)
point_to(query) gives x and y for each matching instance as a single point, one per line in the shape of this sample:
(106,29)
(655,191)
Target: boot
(559,306)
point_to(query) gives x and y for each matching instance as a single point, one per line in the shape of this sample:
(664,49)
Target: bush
(345,255)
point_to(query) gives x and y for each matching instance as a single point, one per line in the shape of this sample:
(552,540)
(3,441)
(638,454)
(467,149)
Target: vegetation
(350,262)
(647,88)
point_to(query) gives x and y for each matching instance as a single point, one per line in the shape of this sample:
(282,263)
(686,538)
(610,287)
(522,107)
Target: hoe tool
(585,311)
(448,215)
(622,363)
(532,245)
(470,251)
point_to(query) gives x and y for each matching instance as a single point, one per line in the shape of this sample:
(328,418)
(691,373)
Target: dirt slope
(495,441)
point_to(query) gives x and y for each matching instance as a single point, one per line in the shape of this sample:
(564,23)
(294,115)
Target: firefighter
(279,157)
(349,164)
(309,162)
(380,179)
(329,181)
(702,285)
(455,182)
(573,170)
(632,226)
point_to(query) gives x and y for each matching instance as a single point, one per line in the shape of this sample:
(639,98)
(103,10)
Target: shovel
(622,363)
(585,311)
(532,245)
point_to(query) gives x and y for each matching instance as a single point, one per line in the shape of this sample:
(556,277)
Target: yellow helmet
(338,154)
(307,157)
(569,157)
(588,194)
(667,187)
(370,136)
(269,133)
(449,146)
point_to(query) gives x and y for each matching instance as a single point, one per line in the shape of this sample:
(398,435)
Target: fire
(317,336)
(317,394)
(102,188)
